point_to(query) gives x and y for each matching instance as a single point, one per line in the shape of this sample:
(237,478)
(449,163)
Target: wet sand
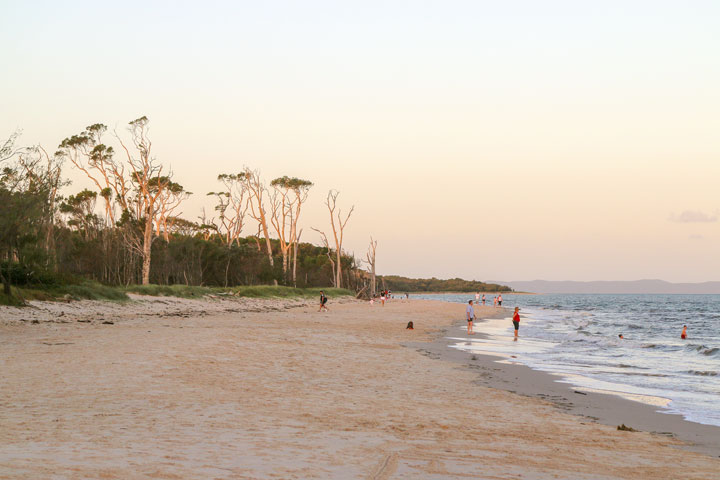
(502,372)
(231,389)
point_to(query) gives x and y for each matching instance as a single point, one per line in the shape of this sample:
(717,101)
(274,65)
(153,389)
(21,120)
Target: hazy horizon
(476,140)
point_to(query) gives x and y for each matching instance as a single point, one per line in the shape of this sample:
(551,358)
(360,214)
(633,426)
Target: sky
(517,140)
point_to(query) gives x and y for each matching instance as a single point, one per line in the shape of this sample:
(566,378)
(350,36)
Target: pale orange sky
(513,142)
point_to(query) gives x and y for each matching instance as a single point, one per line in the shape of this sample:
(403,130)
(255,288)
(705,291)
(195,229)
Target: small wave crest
(704,373)
(703,349)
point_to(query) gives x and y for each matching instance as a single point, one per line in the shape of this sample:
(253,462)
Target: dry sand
(254,389)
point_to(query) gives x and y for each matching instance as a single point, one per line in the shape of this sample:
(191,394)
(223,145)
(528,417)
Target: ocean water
(576,337)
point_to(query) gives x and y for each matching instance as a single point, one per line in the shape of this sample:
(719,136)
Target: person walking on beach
(483,299)
(470,312)
(683,335)
(500,300)
(477,297)
(323,302)
(494,301)
(516,323)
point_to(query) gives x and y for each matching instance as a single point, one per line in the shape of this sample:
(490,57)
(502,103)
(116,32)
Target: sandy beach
(235,388)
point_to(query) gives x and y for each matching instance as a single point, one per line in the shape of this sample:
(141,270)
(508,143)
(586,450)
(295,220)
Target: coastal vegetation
(126,230)
(404,284)
(125,233)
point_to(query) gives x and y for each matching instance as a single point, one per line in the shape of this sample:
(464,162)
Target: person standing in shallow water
(516,322)
(470,312)
(683,335)
(500,300)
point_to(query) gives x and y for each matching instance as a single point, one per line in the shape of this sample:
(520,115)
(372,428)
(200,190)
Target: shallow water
(577,336)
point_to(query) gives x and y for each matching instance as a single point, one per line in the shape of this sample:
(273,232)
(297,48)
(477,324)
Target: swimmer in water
(683,335)
(621,336)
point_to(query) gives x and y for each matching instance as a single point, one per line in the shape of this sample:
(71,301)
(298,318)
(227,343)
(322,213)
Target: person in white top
(470,312)
(477,297)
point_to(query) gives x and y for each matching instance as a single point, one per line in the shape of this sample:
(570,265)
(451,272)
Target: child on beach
(516,322)
(483,299)
(323,302)
(470,312)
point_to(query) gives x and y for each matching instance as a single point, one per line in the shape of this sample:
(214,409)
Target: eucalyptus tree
(232,206)
(258,205)
(286,203)
(145,195)
(337,224)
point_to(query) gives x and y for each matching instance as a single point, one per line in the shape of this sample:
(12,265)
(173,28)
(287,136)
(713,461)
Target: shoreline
(607,408)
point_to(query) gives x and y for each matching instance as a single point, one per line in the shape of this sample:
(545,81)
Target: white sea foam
(576,337)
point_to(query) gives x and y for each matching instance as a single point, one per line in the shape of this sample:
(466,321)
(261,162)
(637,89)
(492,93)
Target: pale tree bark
(233,206)
(370,257)
(287,199)
(280,213)
(296,243)
(324,239)
(171,198)
(206,226)
(337,224)
(149,185)
(257,192)
(96,160)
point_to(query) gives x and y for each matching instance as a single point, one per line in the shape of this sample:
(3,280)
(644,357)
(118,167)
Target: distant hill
(635,286)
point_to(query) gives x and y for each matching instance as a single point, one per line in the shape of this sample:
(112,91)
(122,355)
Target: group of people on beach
(470,313)
(385,296)
(497,300)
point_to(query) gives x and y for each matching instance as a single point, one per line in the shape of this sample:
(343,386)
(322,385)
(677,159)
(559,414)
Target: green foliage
(404,284)
(85,290)
(11,300)
(257,291)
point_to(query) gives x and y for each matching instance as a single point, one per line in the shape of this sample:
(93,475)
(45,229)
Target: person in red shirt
(683,335)
(516,322)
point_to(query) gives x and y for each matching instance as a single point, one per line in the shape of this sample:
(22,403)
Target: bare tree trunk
(295,254)
(338,231)
(371,262)
(147,248)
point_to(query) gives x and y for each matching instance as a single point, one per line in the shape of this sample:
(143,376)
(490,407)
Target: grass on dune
(95,291)
(255,291)
(82,291)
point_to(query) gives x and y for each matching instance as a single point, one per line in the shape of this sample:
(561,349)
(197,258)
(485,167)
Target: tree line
(127,229)
(404,284)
